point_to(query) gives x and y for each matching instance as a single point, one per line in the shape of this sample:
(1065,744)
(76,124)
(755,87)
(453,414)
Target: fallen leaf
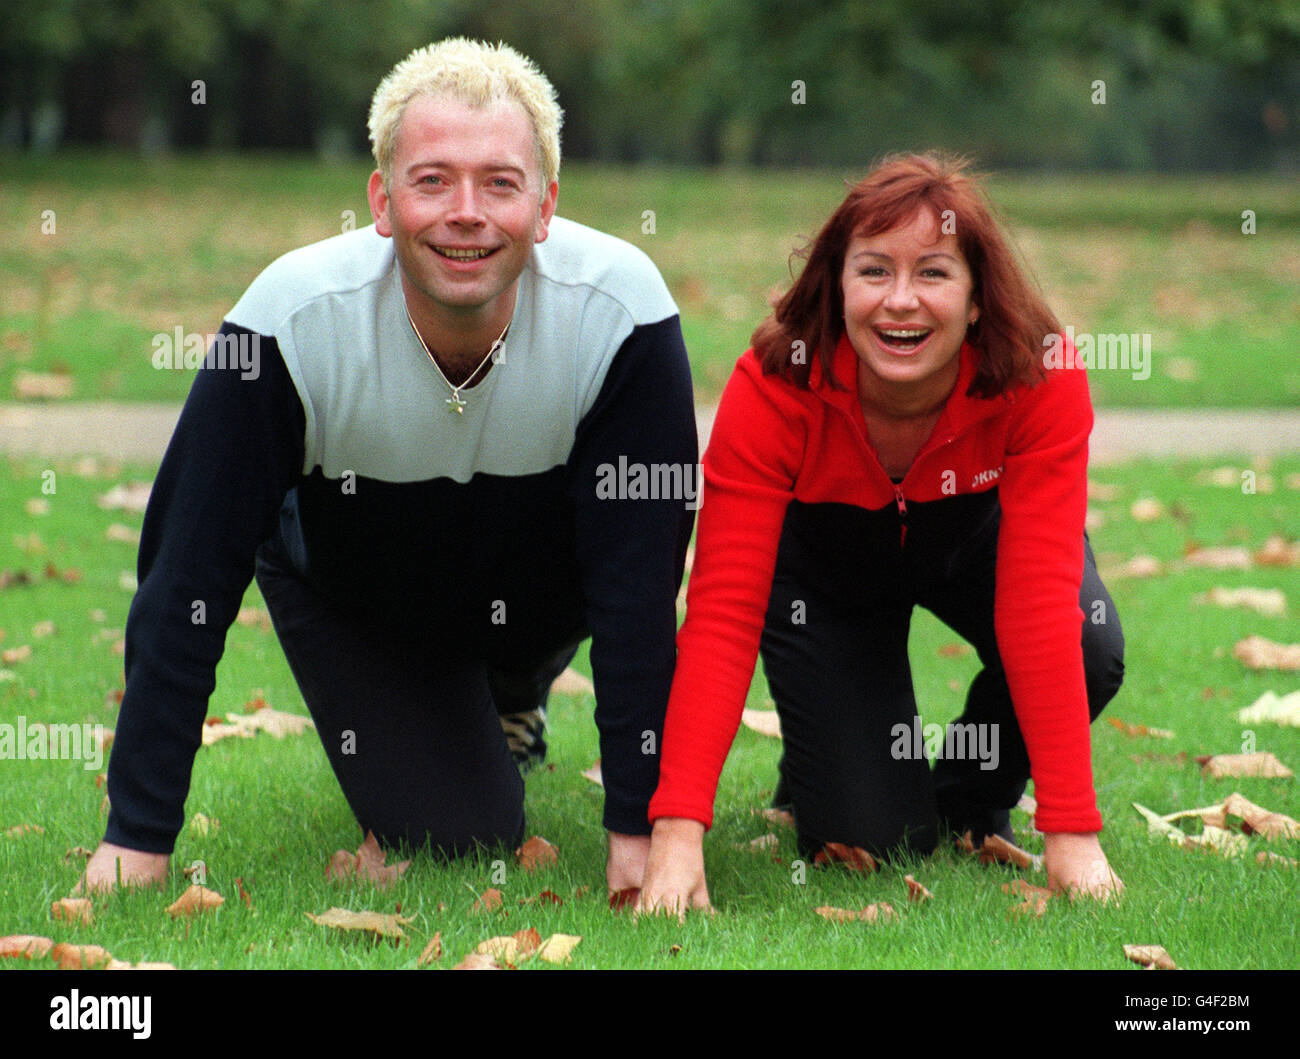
(194,900)
(510,948)
(594,774)
(1146,509)
(134,496)
(1159,827)
(557,947)
(779,817)
(759,845)
(571,682)
(37,506)
(254,617)
(879,912)
(478,962)
(77,851)
(954,650)
(121,534)
(276,723)
(1138,730)
(1035,897)
(1268,857)
(916,892)
(432,951)
(73,910)
(80,957)
(853,857)
(201,824)
(1218,840)
(1139,566)
(836,915)
(1152,957)
(379,924)
(1260,653)
(1270,602)
(536,853)
(1262,764)
(43,629)
(487,901)
(1256,820)
(997,848)
(25,946)
(621,899)
(764,722)
(11,655)
(1027,804)
(1218,558)
(1278,551)
(19,830)
(42,386)
(1284,710)
(1102,491)
(367,864)
(243,894)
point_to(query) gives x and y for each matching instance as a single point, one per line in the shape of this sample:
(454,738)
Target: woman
(894,438)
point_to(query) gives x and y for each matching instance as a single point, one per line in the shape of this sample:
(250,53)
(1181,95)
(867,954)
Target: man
(418,473)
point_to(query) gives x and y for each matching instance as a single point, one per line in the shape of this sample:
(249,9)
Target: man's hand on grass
(110,864)
(1076,865)
(674,873)
(626,863)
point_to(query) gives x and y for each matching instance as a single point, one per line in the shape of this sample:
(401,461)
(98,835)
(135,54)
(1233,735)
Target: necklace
(455,403)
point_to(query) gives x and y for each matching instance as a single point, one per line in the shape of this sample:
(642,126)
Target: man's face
(464,208)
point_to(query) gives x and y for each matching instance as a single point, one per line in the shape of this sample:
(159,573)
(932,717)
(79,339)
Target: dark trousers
(412,733)
(842,684)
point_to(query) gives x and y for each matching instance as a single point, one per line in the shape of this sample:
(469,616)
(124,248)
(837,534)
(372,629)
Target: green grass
(143,246)
(282,814)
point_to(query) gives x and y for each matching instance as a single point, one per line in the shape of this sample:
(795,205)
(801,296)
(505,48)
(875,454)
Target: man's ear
(377,195)
(547,211)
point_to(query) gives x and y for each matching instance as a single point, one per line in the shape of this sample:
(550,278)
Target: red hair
(1013,320)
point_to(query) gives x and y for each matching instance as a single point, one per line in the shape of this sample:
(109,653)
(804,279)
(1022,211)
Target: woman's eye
(871,270)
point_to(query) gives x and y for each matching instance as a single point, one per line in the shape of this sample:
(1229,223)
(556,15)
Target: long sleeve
(237,450)
(638,438)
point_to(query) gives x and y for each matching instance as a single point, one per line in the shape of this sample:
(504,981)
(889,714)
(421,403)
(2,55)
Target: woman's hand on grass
(626,862)
(1076,865)
(674,872)
(136,869)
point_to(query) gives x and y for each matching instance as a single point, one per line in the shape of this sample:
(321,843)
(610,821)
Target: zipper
(902,515)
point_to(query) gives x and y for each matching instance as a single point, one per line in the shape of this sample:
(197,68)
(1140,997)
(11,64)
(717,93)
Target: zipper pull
(902,514)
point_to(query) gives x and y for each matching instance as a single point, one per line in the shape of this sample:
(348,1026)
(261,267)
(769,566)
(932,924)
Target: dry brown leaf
(476,961)
(1152,957)
(121,534)
(1274,709)
(432,951)
(243,894)
(878,912)
(916,892)
(134,496)
(627,897)
(855,858)
(764,722)
(1158,826)
(1218,840)
(12,655)
(43,629)
(954,650)
(1138,730)
(381,925)
(536,853)
(201,824)
(1138,566)
(254,618)
(1102,491)
(25,946)
(367,864)
(557,947)
(1262,764)
(571,682)
(997,848)
(1278,551)
(487,901)
(1035,897)
(194,900)
(779,817)
(73,910)
(1146,509)
(80,957)
(42,386)
(21,830)
(504,949)
(1268,857)
(37,506)
(276,723)
(1270,602)
(1256,820)
(1257,652)
(594,774)
(1218,558)
(759,845)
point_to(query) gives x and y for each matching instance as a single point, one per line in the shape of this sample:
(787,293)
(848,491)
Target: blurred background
(156,154)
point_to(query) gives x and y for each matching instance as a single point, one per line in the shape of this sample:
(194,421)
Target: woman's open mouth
(902,339)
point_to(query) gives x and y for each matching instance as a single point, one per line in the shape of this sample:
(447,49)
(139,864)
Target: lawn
(281,815)
(102,252)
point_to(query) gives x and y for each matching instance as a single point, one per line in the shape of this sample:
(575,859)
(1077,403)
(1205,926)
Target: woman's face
(907,304)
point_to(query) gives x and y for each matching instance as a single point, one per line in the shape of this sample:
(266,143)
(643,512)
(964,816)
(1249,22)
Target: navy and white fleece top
(406,514)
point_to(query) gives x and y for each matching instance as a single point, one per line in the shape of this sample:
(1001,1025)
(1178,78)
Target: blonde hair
(476,74)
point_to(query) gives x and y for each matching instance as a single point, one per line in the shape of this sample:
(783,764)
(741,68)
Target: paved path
(139,431)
